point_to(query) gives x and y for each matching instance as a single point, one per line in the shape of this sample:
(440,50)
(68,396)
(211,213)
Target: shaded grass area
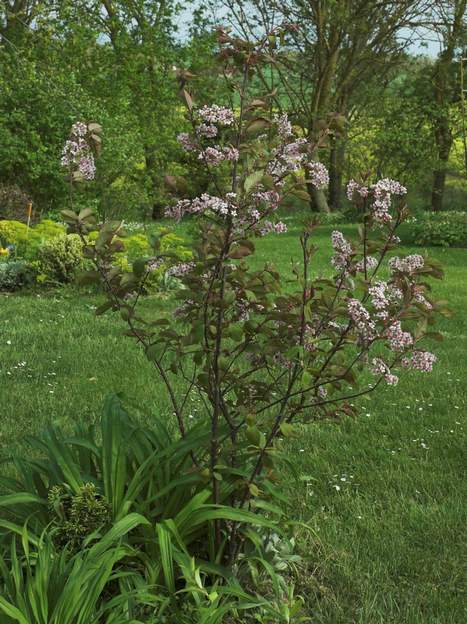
(384,493)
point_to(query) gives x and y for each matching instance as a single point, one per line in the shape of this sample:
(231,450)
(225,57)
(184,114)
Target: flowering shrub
(262,357)
(443,229)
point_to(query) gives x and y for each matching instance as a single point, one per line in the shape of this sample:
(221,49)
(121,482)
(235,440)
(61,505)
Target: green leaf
(21,498)
(10,610)
(166,553)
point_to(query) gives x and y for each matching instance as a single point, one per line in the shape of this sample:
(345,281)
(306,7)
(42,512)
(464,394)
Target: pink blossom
(284,127)
(382,194)
(186,141)
(87,167)
(361,318)
(379,367)
(207,131)
(420,360)
(318,174)
(354,188)
(268,227)
(398,339)
(215,114)
(215,155)
(178,270)
(77,153)
(409,264)
(371,263)
(342,249)
(200,205)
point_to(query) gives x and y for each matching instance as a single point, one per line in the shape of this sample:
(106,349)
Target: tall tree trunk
(336,170)
(318,199)
(443,139)
(444,90)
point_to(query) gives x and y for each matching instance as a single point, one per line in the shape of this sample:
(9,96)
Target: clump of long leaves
(154,551)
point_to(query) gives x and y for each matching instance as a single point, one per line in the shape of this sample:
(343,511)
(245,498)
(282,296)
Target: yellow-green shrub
(58,259)
(26,241)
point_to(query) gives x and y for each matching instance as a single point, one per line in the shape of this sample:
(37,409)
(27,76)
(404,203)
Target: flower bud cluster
(77,153)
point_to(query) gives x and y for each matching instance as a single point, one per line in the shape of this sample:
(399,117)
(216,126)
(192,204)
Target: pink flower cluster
(77,154)
(284,127)
(409,264)
(207,131)
(215,114)
(215,155)
(354,188)
(318,175)
(270,198)
(381,194)
(398,339)
(383,295)
(383,191)
(186,142)
(379,367)
(371,263)
(288,157)
(420,360)
(200,205)
(178,270)
(268,226)
(420,298)
(362,320)
(342,249)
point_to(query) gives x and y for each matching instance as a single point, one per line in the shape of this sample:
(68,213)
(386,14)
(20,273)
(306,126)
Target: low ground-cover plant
(14,275)
(442,229)
(265,356)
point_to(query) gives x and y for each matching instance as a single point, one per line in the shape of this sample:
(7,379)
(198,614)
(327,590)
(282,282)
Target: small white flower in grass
(337,488)
(8,342)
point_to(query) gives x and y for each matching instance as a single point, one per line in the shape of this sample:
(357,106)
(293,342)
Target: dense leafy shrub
(58,259)
(443,229)
(14,274)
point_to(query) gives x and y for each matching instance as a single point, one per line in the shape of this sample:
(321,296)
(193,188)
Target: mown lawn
(385,493)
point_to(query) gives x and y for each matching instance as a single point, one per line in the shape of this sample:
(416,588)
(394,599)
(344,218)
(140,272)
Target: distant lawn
(385,494)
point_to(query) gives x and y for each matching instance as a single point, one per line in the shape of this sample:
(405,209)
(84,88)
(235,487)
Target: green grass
(384,493)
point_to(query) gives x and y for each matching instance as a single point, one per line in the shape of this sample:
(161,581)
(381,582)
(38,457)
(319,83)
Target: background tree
(336,48)
(447,21)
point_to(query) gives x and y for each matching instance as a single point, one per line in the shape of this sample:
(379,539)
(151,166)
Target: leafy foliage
(14,275)
(58,259)
(443,229)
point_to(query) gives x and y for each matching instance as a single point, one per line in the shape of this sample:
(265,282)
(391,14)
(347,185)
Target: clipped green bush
(440,229)
(58,259)
(14,275)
